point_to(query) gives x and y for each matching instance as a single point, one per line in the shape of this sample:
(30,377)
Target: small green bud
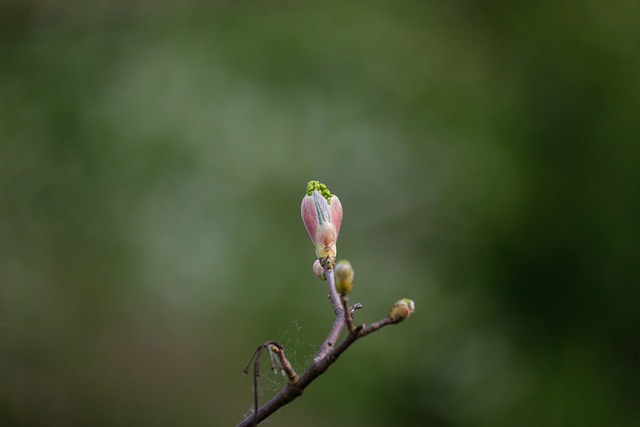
(344,271)
(401,310)
(344,277)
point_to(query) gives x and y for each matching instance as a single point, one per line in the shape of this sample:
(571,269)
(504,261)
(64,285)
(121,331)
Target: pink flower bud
(322,216)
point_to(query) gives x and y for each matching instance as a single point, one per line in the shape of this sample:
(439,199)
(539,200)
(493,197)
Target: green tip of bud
(401,310)
(322,189)
(344,277)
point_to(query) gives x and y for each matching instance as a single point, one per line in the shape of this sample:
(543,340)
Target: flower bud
(344,277)
(322,216)
(318,269)
(401,310)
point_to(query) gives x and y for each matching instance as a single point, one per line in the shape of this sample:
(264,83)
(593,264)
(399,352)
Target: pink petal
(309,217)
(336,213)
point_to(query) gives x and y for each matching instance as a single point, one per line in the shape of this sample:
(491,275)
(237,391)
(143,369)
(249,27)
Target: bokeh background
(153,156)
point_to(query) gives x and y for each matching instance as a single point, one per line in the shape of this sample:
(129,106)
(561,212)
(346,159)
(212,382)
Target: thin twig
(338,324)
(348,314)
(353,308)
(256,373)
(283,362)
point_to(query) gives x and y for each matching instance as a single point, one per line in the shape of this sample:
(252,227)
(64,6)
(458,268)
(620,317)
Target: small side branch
(278,362)
(348,313)
(282,363)
(295,389)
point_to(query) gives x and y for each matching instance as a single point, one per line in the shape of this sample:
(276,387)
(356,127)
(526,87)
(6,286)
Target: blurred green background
(153,156)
